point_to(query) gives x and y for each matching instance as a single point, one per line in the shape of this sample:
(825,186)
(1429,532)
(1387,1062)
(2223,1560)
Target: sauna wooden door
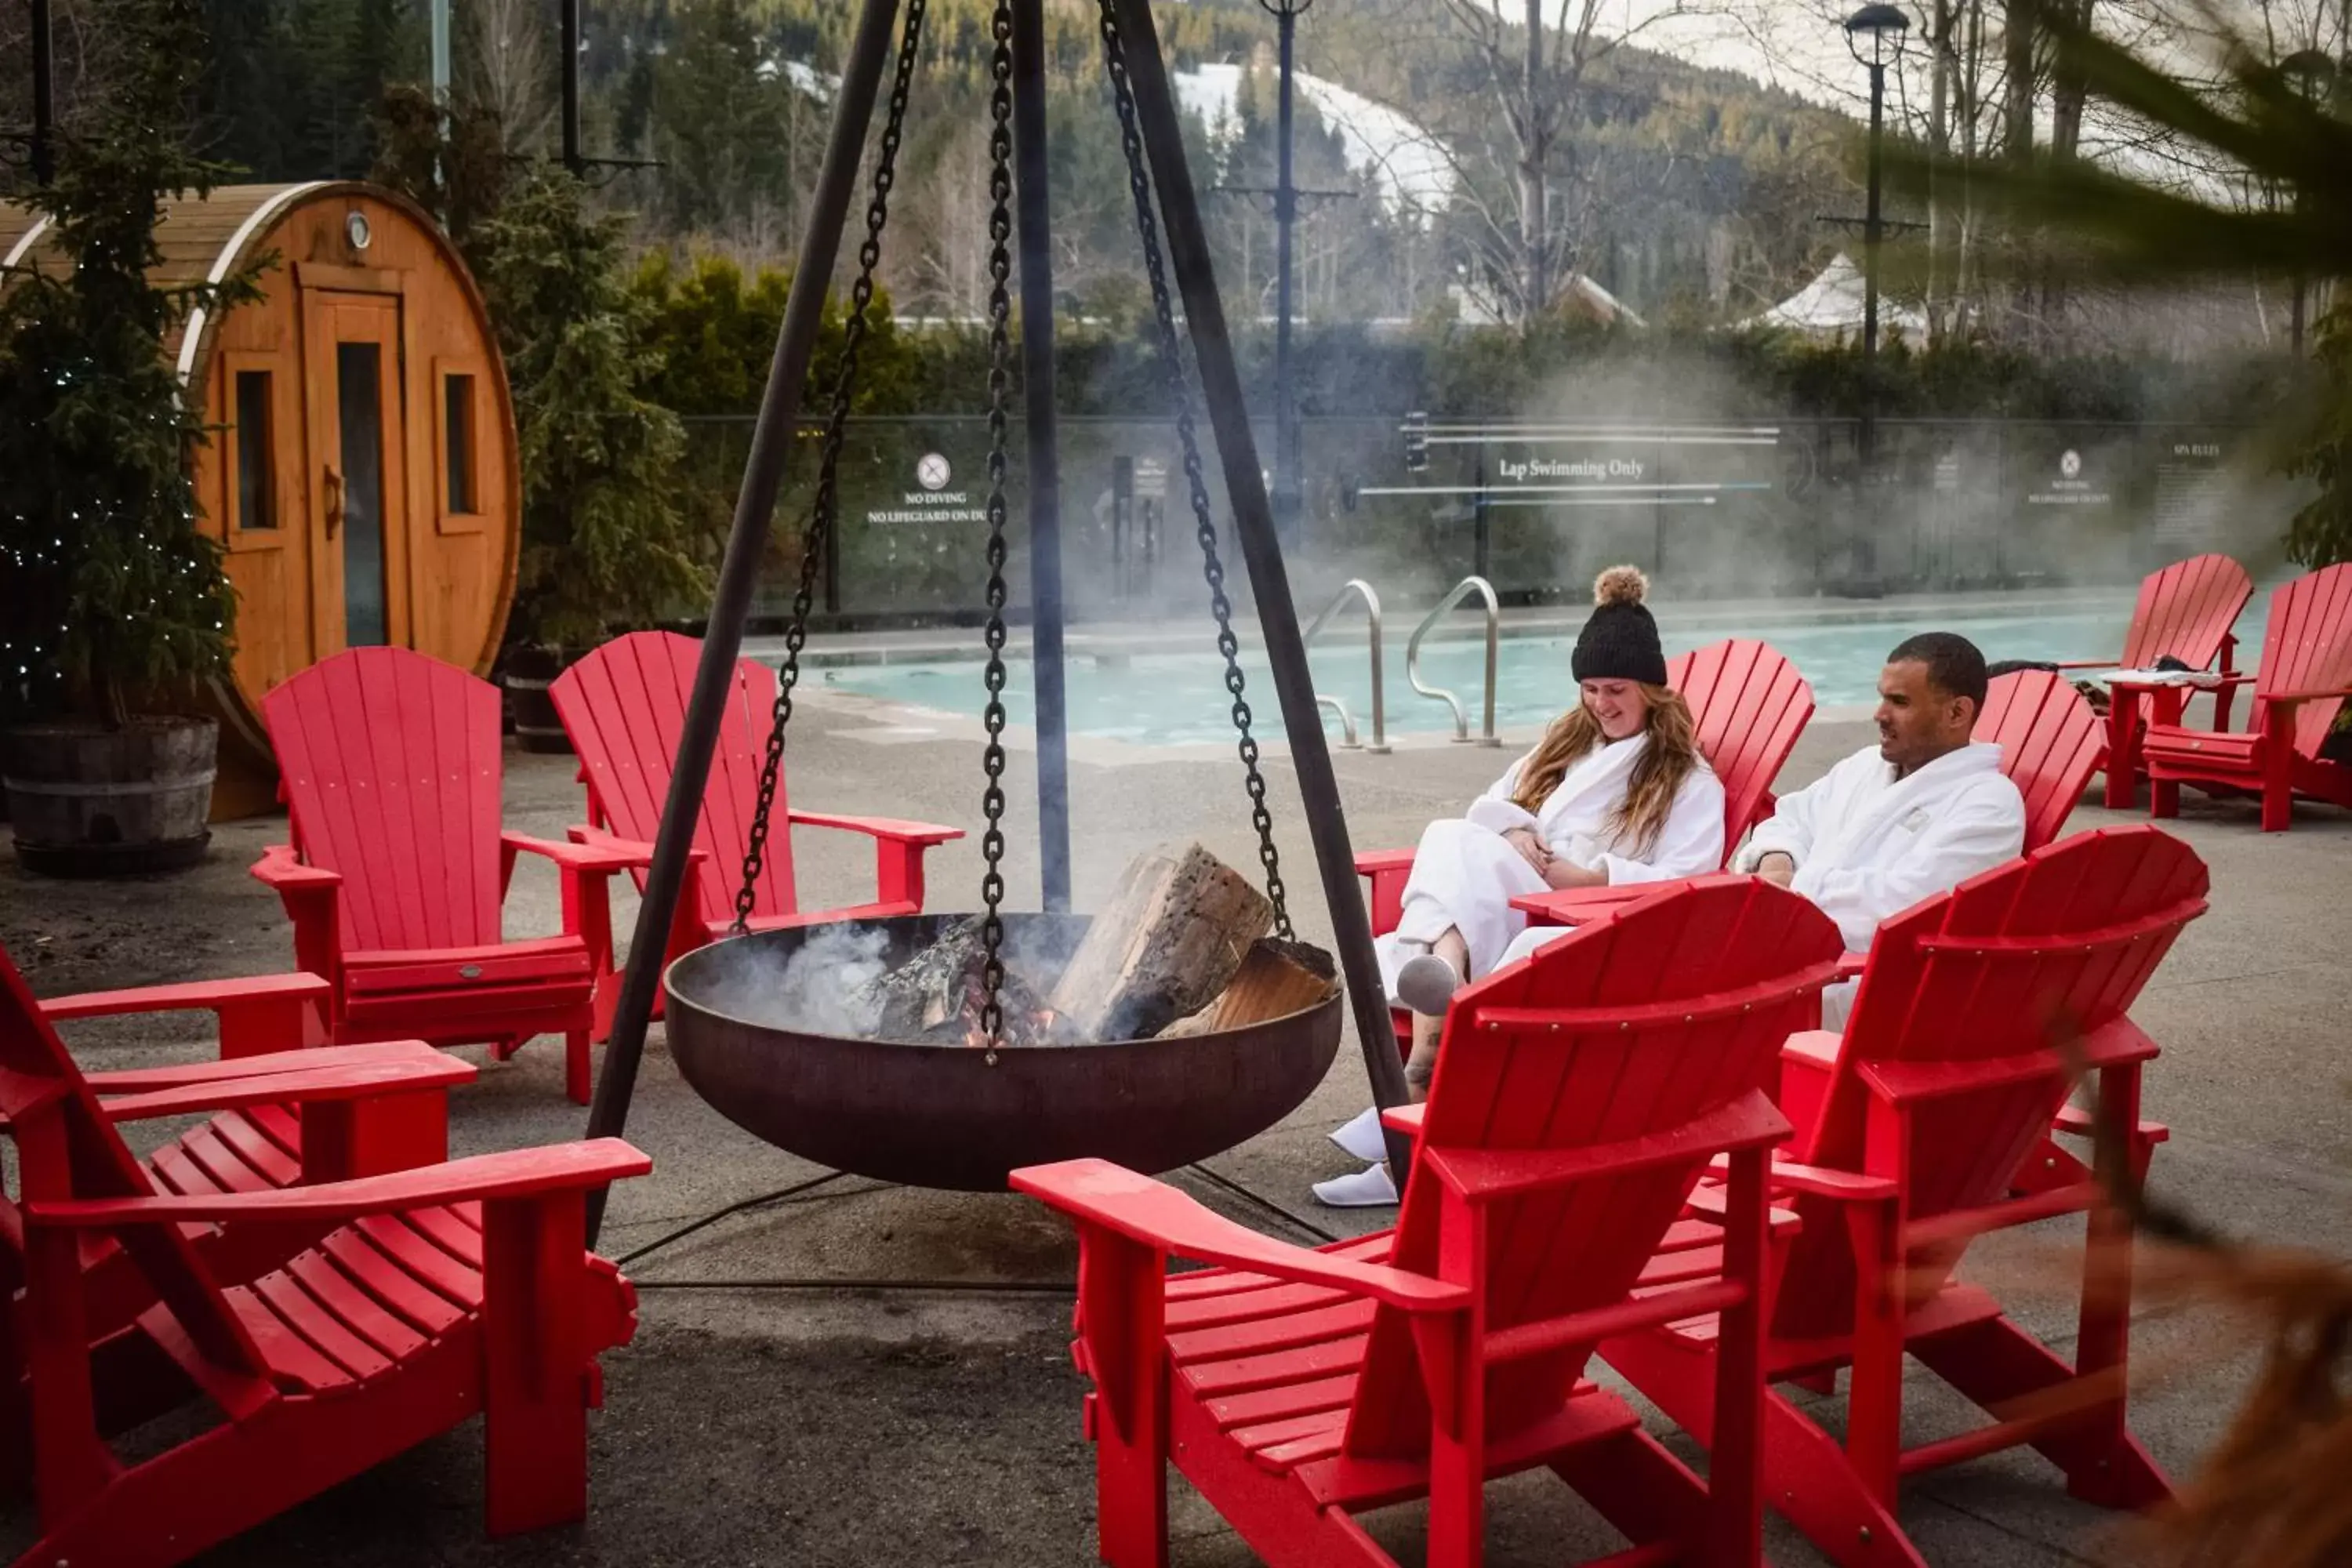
(359,490)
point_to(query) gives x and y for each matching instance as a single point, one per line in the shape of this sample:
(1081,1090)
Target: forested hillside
(1679,190)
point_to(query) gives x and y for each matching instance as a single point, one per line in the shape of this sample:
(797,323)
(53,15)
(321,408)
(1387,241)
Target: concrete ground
(797,1425)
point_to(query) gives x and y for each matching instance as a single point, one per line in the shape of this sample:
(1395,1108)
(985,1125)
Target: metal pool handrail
(1461,590)
(1353,588)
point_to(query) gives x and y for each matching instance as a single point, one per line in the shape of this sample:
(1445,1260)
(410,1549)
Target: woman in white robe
(1616,792)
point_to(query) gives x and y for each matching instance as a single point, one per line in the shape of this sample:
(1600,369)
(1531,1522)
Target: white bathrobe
(1868,845)
(1464,875)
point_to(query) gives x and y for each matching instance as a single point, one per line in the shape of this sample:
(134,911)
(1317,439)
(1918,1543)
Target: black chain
(1000,381)
(1180,393)
(818,538)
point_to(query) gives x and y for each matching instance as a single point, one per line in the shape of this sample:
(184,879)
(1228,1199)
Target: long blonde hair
(1669,759)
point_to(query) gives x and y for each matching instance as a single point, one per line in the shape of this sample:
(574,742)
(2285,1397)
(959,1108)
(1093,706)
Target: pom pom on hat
(1620,586)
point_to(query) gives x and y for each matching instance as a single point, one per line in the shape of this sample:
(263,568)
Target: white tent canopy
(1831,305)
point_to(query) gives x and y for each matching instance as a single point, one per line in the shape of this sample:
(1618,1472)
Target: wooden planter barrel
(360,471)
(530,674)
(86,801)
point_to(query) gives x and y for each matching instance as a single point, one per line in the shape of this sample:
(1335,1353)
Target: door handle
(334,486)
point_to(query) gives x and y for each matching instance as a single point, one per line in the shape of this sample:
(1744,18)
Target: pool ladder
(1461,590)
(1355,588)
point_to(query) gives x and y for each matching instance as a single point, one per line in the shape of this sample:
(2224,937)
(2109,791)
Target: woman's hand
(1532,848)
(1564,873)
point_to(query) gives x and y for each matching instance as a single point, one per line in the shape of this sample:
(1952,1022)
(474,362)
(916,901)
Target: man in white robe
(1913,816)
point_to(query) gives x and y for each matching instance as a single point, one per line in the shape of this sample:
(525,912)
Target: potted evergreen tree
(112,604)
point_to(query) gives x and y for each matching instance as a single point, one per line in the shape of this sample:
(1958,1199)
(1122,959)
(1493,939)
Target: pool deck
(815,1427)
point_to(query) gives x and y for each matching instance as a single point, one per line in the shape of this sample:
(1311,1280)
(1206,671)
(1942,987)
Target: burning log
(936,997)
(1277,979)
(1166,945)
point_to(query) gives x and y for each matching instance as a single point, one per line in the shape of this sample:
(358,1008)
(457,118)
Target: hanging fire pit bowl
(940,1115)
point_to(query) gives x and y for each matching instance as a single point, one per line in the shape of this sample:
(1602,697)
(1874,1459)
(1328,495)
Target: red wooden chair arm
(2086,664)
(1387,870)
(631,854)
(1814,1181)
(924,834)
(899,849)
(281,869)
(1404,1118)
(2288,699)
(311,896)
(141,1080)
(1850,965)
(1158,1216)
(2205,681)
(201,995)
(359,1080)
(257,1014)
(2077,1120)
(1710,1201)
(602,858)
(484,1178)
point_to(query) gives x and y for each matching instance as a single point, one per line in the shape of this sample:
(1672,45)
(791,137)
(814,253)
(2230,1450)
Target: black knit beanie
(1620,642)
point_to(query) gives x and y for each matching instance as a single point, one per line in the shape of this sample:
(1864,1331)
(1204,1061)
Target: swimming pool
(1169,698)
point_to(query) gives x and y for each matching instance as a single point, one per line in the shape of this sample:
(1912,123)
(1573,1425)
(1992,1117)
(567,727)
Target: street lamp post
(1286,483)
(1875,37)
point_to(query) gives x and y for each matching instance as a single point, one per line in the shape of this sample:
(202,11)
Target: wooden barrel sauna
(362,470)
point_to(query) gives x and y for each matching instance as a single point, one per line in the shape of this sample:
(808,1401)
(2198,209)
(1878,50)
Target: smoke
(815,989)
(826,985)
(821,989)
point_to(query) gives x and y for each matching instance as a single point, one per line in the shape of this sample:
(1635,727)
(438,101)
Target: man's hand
(1778,867)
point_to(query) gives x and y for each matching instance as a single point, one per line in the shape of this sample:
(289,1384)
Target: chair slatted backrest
(66,1148)
(2186,610)
(2048,948)
(2308,646)
(2050,743)
(389,762)
(1643,1022)
(1749,705)
(623,706)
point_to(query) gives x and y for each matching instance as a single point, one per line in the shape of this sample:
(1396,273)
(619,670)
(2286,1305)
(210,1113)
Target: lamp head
(2312,72)
(1874,33)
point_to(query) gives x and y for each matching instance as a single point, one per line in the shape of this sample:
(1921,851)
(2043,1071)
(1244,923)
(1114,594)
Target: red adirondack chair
(2049,745)
(1976,1012)
(280,1115)
(433,1293)
(2306,674)
(1749,704)
(390,765)
(2186,611)
(623,707)
(1579,1095)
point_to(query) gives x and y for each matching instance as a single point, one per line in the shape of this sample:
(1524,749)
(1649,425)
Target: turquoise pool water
(1166,698)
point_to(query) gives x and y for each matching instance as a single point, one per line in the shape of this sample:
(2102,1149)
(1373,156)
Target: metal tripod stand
(1130,34)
